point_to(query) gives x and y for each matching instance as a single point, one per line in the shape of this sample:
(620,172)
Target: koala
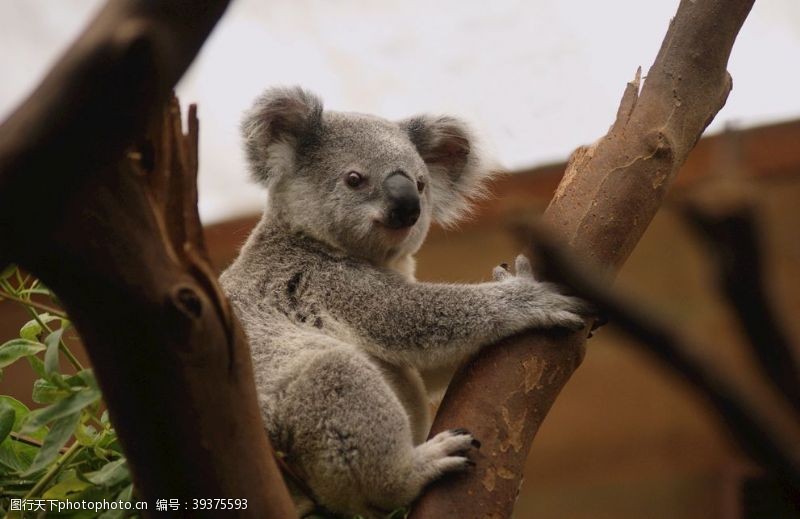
(339,329)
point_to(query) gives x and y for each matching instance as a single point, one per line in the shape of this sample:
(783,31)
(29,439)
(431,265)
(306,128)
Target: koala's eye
(354,179)
(420,186)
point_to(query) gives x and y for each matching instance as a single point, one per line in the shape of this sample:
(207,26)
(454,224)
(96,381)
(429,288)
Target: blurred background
(537,78)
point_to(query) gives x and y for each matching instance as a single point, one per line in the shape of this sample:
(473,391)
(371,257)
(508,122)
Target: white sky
(536,77)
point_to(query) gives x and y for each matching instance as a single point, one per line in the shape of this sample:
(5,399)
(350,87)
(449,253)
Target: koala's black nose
(403,199)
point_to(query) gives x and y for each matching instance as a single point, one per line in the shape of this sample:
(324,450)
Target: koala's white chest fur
(405,266)
(408,385)
(407,382)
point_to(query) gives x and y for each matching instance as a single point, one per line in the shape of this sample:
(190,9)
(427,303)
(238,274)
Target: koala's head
(362,184)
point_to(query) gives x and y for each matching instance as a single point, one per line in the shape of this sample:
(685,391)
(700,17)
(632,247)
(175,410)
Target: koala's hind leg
(352,439)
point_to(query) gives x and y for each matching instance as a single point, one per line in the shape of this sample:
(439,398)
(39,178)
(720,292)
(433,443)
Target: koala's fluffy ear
(280,121)
(458,172)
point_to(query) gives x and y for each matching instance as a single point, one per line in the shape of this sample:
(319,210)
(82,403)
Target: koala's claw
(446,451)
(570,321)
(522,268)
(501,273)
(461,431)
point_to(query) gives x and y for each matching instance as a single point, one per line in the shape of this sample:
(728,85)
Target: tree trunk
(609,194)
(120,243)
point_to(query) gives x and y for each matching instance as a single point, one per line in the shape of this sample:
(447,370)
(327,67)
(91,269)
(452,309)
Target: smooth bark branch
(607,198)
(120,242)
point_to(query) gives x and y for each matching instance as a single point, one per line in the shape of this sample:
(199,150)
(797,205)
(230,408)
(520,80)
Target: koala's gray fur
(338,327)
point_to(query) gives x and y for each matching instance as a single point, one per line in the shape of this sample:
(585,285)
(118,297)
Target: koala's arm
(434,324)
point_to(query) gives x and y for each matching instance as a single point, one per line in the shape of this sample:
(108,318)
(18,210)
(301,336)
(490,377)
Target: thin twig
(62,346)
(27,440)
(54,469)
(39,306)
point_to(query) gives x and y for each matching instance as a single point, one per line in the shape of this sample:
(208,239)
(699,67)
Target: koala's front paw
(446,452)
(522,267)
(542,302)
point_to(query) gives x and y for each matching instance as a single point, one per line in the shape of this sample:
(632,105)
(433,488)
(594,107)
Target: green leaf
(124,496)
(20,410)
(32,328)
(87,377)
(101,453)
(51,355)
(68,473)
(58,380)
(15,349)
(90,493)
(71,404)
(45,392)
(7,416)
(38,285)
(110,474)
(60,432)
(16,456)
(25,292)
(84,378)
(86,435)
(37,365)
(66,488)
(107,446)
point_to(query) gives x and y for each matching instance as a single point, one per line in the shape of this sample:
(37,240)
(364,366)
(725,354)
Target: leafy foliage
(66,449)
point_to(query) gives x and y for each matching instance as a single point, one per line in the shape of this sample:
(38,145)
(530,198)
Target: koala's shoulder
(275,261)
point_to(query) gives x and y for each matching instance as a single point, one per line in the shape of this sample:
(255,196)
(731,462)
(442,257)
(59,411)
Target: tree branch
(728,226)
(120,242)
(756,435)
(607,198)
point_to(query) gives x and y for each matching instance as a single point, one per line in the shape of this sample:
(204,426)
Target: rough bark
(604,203)
(120,242)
